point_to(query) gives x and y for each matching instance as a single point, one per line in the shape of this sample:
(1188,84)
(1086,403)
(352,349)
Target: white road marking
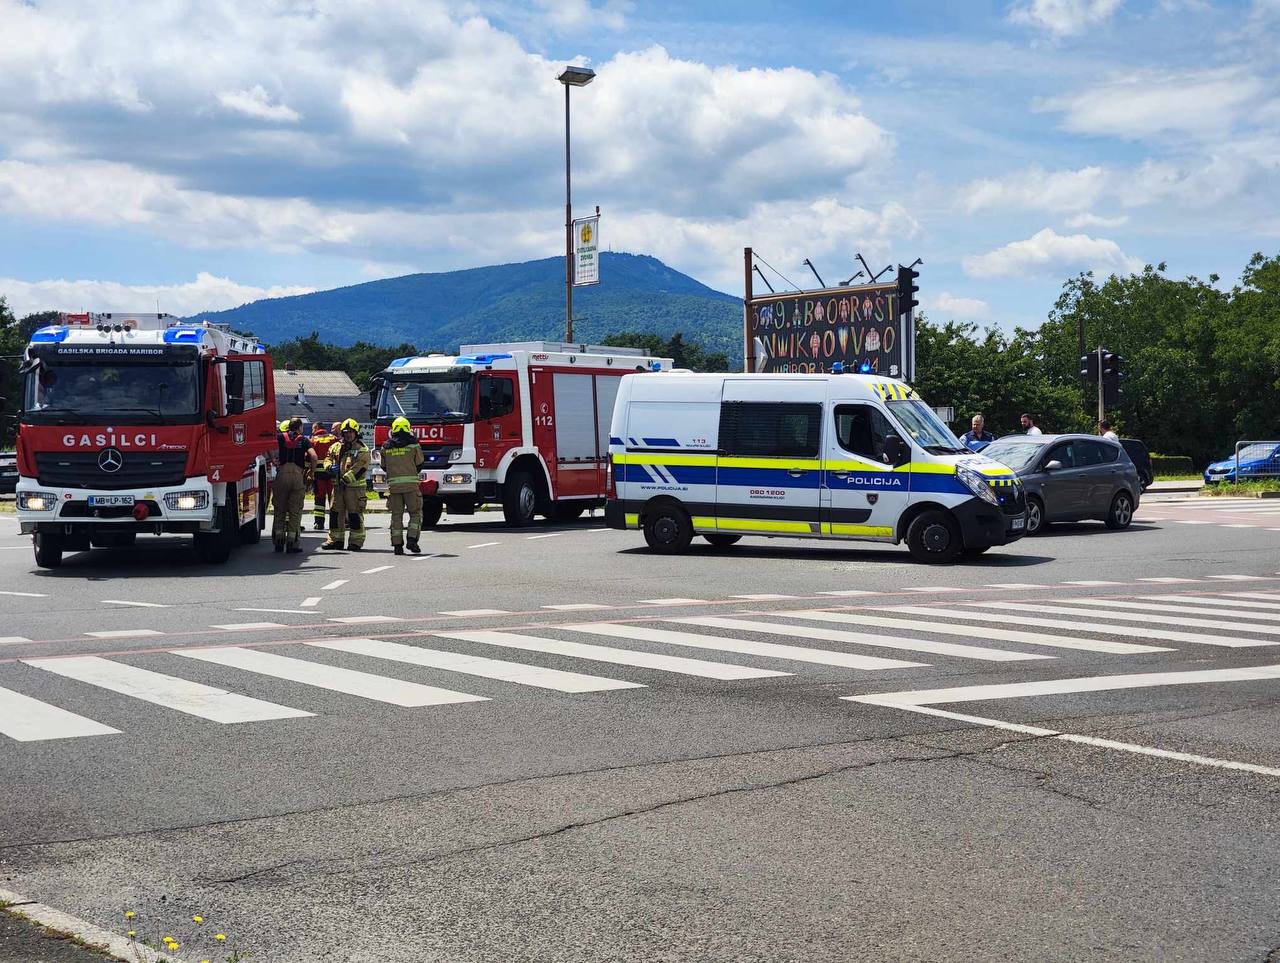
(548,535)
(465,613)
(1086,740)
(376,569)
(379,688)
(1239,578)
(770,650)
(1122,616)
(1049,687)
(1234,601)
(763,597)
(192,698)
(1260,596)
(929,588)
(248,626)
(1193,521)
(978,631)
(30,720)
(364,619)
(282,611)
(27,595)
(849,593)
(122,633)
(141,605)
(1237,525)
(484,545)
(1190,608)
(672,602)
(498,669)
(1170,581)
(864,638)
(1075,625)
(576,607)
(334,585)
(13,639)
(311,601)
(1015,585)
(1091,582)
(602,653)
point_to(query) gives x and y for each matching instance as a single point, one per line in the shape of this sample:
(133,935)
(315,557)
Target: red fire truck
(525,425)
(142,424)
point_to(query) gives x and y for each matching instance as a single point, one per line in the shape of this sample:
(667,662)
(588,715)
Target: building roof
(319,396)
(337,383)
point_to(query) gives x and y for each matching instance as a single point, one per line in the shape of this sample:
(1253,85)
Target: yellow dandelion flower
(197,919)
(166,939)
(220,937)
(129,914)
(132,934)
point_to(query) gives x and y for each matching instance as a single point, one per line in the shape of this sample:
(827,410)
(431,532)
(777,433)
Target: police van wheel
(432,509)
(723,541)
(520,499)
(668,529)
(48,550)
(934,537)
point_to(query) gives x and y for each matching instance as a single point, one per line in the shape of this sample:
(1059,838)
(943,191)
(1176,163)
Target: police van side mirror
(896,450)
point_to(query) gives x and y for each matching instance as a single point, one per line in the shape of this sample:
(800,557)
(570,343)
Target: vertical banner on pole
(586,250)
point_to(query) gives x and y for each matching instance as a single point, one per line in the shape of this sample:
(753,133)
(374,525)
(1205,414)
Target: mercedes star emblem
(110,460)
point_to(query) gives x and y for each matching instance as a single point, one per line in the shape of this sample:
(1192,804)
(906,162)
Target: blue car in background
(1257,461)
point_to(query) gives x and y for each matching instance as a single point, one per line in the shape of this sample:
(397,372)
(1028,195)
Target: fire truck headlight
(37,501)
(186,501)
(457,478)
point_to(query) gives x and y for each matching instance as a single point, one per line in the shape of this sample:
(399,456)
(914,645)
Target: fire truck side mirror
(375,386)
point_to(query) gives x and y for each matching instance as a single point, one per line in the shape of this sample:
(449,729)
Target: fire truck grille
(138,469)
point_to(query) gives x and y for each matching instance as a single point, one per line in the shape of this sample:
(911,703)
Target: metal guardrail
(1257,460)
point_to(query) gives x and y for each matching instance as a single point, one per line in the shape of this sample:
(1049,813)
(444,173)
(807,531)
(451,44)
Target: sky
(195,156)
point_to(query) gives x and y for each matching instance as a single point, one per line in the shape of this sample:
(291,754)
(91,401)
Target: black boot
(414,546)
(278,546)
(398,549)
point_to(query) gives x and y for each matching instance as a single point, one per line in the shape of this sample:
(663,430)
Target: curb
(1245,495)
(117,946)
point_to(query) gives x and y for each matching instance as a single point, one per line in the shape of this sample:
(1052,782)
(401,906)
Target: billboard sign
(586,250)
(807,332)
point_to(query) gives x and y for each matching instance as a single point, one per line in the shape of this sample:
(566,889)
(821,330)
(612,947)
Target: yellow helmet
(400,424)
(351,425)
(284,425)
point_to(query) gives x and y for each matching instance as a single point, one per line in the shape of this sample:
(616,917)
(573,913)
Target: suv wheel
(1035,516)
(1121,513)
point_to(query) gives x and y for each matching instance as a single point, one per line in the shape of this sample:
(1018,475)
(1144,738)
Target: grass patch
(1241,488)
(1180,476)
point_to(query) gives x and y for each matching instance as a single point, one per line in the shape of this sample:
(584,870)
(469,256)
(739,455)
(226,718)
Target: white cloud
(959,307)
(583,15)
(1063,17)
(256,102)
(1048,252)
(1036,189)
(1087,219)
(1138,105)
(206,293)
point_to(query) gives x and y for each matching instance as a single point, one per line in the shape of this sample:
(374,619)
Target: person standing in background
(977,438)
(1029,425)
(325,443)
(402,458)
(1104,429)
(297,460)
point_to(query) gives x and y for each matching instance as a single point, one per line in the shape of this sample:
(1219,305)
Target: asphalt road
(462,807)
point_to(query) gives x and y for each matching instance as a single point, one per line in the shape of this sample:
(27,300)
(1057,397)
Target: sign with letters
(586,250)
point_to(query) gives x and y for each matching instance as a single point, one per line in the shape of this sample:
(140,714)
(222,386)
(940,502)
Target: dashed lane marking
(548,535)
(763,597)
(849,593)
(13,639)
(576,607)
(141,605)
(122,633)
(365,619)
(27,595)
(376,569)
(930,588)
(280,611)
(672,602)
(312,601)
(1092,582)
(466,613)
(1170,581)
(1193,521)
(248,626)
(484,545)
(1014,585)
(338,583)
(1239,578)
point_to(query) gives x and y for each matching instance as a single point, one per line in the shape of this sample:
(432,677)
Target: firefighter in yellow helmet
(325,441)
(347,517)
(401,458)
(288,491)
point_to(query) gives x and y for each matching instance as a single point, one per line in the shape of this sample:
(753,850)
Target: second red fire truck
(525,425)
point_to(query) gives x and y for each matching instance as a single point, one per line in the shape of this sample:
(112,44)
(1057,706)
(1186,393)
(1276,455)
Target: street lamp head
(576,76)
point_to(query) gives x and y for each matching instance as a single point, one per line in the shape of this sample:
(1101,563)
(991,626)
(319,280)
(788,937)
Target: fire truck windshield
(426,398)
(122,391)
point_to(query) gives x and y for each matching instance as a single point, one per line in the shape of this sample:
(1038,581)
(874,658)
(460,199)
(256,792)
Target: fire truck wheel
(520,499)
(214,548)
(48,550)
(567,511)
(667,528)
(722,541)
(432,509)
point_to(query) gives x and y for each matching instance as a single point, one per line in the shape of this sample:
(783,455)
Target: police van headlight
(977,484)
(37,501)
(191,501)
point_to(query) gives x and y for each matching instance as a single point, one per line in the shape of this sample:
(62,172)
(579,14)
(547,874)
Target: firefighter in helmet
(325,442)
(347,518)
(401,458)
(297,460)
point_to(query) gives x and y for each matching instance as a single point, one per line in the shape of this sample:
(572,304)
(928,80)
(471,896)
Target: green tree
(11,347)
(683,354)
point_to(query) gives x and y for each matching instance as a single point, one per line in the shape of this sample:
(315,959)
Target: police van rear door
(768,468)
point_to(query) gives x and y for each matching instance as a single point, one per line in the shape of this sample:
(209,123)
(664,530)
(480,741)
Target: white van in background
(809,456)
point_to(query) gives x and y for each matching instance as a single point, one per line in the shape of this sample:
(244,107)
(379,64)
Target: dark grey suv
(1068,478)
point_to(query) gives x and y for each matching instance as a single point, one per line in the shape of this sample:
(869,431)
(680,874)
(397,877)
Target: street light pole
(570,77)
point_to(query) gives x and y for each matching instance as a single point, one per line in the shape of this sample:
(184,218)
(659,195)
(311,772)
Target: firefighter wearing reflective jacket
(350,497)
(401,458)
(325,442)
(288,491)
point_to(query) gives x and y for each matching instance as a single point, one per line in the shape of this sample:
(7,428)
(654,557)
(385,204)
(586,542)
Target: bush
(1172,465)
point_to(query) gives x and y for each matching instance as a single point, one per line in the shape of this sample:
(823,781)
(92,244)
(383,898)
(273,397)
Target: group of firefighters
(334,464)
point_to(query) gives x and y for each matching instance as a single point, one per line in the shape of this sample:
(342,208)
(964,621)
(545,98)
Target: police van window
(751,429)
(861,430)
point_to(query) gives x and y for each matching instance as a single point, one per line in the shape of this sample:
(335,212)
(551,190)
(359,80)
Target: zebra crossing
(1224,511)
(851,639)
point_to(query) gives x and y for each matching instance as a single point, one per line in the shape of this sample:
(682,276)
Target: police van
(846,456)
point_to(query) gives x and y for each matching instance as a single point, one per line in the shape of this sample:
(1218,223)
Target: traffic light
(907,289)
(1112,374)
(1089,367)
